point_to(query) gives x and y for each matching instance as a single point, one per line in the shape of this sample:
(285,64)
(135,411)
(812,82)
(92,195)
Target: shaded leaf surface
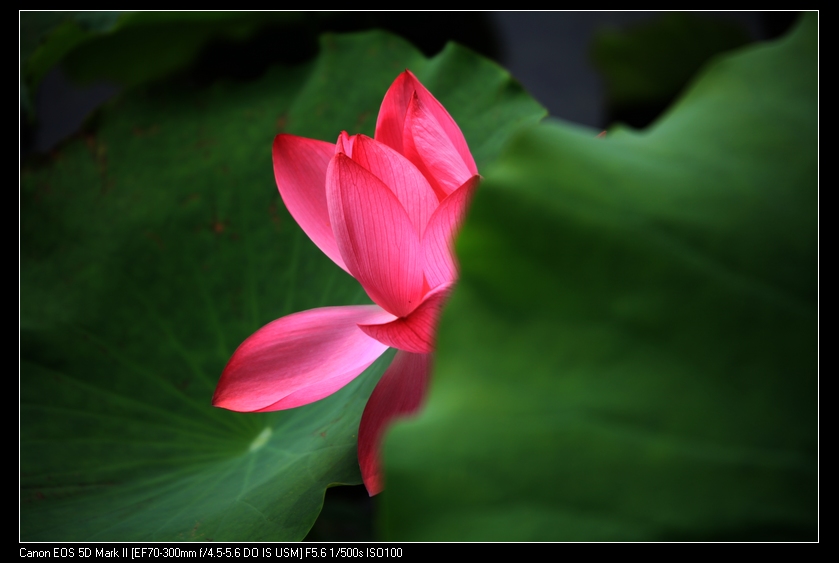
(150,248)
(631,350)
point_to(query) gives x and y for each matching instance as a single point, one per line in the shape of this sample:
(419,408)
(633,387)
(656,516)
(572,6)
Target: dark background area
(548,52)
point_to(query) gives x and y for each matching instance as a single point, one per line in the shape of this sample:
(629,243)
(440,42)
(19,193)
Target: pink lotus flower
(385,210)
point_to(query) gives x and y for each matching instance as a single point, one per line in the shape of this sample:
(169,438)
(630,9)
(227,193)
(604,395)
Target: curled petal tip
(345,144)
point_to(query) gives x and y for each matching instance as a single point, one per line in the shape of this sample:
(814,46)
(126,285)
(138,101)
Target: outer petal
(399,393)
(299,359)
(427,143)
(398,173)
(380,246)
(300,171)
(438,238)
(416,332)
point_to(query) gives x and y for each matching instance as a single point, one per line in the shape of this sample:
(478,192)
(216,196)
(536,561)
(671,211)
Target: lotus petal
(398,173)
(299,359)
(399,393)
(300,171)
(392,114)
(414,333)
(380,246)
(438,239)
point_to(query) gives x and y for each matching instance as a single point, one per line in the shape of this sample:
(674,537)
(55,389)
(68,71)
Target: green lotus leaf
(631,352)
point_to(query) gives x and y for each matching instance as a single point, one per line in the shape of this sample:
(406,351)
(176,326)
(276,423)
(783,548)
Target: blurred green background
(631,352)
